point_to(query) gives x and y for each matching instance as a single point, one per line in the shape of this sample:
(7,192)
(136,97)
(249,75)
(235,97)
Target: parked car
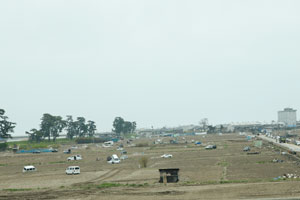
(36,151)
(246,149)
(54,150)
(114,159)
(123,152)
(76,157)
(68,151)
(211,147)
(29,168)
(73,170)
(108,144)
(166,156)
(124,157)
(292,152)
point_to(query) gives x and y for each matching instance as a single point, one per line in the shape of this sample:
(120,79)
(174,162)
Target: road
(292,147)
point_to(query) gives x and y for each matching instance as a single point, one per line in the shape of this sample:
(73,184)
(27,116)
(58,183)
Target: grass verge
(17,189)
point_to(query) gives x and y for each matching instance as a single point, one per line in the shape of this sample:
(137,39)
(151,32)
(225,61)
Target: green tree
(81,127)
(35,135)
(133,127)
(91,128)
(46,125)
(127,127)
(51,126)
(211,129)
(118,126)
(59,125)
(6,126)
(71,127)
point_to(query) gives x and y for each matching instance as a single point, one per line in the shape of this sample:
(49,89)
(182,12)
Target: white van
(114,159)
(73,170)
(29,168)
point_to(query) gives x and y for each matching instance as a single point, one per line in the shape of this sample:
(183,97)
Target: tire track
(111,173)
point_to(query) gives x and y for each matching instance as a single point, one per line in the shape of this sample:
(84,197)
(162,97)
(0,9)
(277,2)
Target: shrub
(89,140)
(144,144)
(3,146)
(109,185)
(143,161)
(55,146)
(23,146)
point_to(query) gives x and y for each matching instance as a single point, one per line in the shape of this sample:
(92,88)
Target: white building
(288,116)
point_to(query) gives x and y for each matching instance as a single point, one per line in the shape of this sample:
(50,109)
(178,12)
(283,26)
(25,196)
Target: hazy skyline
(159,63)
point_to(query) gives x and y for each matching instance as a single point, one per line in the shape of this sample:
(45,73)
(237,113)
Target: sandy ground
(245,176)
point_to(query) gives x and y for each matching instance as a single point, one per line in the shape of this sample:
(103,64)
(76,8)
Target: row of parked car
(69,170)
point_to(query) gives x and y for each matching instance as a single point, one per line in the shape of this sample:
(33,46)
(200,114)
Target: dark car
(54,150)
(36,151)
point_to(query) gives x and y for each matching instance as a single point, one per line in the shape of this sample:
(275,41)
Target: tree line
(51,127)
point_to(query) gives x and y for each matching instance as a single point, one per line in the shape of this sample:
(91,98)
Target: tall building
(288,116)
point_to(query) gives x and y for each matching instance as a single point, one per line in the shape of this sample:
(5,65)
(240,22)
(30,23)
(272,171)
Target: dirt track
(245,176)
(223,191)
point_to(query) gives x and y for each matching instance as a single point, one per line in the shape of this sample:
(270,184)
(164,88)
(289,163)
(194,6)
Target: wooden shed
(169,175)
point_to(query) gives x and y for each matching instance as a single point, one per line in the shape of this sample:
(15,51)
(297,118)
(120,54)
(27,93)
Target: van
(29,168)
(73,170)
(114,159)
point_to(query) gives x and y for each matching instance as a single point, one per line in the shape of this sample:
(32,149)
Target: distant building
(288,116)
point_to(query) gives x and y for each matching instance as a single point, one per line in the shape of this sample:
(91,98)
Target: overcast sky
(156,62)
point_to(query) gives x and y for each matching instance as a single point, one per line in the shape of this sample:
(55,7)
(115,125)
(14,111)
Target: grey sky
(155,62)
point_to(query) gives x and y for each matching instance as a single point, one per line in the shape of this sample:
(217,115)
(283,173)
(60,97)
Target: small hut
(169,175)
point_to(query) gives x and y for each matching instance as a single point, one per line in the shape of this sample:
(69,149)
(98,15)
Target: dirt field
(223,173)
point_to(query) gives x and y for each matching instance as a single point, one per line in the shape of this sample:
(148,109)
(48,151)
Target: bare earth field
(223,173)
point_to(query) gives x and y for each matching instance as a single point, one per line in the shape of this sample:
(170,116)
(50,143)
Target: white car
(211,147)
(114,159)
(108,144)
(76,157)
(73,170)
(166,156)
(120,149)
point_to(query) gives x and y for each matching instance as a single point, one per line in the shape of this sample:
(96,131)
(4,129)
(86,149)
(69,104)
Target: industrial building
(288,116)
